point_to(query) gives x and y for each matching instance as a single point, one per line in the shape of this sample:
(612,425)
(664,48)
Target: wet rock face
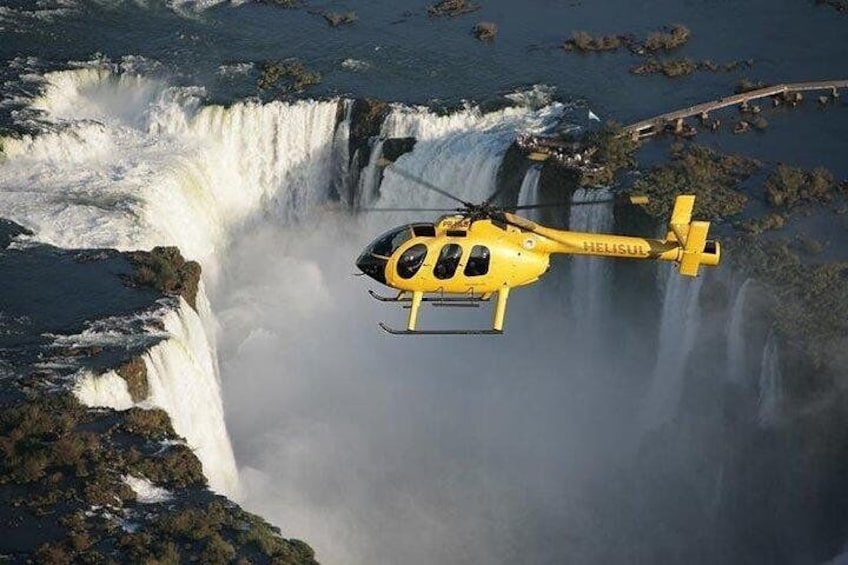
(10,230)
(394,147)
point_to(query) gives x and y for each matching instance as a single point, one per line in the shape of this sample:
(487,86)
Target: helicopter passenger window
(478,261)
(411,260)
(448,261)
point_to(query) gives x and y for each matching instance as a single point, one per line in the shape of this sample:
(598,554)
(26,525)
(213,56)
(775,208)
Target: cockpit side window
(448,261)
(411,260)
(478,261)
(424,230)
(389,242)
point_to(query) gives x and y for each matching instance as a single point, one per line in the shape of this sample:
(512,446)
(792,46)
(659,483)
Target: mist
(379,449)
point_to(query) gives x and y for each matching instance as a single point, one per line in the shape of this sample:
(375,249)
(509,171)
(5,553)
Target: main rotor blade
(427,184)
(560,205)
(618,199)
(408,209)
(494,195)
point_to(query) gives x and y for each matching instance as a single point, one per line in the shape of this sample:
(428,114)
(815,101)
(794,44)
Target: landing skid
(393,331)
(439,300)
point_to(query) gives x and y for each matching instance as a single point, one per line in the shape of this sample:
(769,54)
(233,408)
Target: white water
(528,194)
(108,390)
(183,380)
(460,152)
(681,314)
(151,166)
(146,492)
(369,179)
(341,179)
(736,346)
(591,277)
(770,399)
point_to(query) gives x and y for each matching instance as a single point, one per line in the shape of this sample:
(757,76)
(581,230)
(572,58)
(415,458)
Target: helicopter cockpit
(373,260)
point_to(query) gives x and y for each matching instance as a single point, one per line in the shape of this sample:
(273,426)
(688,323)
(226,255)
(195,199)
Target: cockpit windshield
(388,243)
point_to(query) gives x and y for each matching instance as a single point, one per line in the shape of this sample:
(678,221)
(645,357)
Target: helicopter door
(411,260)
(448,261)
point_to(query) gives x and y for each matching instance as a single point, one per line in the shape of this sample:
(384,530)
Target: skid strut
(414,302)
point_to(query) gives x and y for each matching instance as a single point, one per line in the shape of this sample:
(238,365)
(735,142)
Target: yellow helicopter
(464,258)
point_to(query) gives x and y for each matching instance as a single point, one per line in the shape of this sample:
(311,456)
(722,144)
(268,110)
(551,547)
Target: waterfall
(369,180)
(182,377)
(341,179)
(459,152)
(590,276)
(770,401)
(529,192)
(153,166)
(736,336)
(681,313)
(183,380)
(108,390)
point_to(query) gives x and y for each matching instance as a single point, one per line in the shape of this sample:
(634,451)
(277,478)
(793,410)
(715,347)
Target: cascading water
(770,398)
(153,167)
(736,336)
(590,276)
(528,194)
(183,380)
(679,321)
(182,377)
(369,178)
(341,178)
(460,152)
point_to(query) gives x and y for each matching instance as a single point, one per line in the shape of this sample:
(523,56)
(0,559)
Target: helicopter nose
(374,267)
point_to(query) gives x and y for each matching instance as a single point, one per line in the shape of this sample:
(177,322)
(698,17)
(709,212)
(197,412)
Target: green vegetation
(764,223)
(583,42)
(683,66)
(485,31)
(810,305)
(290,75)
(614,152)
(335,19)
(788,186)
(134,372)
(838,5)
(747,85)
(452,8)
(152,424)
(678,35)
(165,269)
(713,178)
(48,445)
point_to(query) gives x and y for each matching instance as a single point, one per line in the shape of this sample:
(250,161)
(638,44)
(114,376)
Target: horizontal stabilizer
(698,251)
